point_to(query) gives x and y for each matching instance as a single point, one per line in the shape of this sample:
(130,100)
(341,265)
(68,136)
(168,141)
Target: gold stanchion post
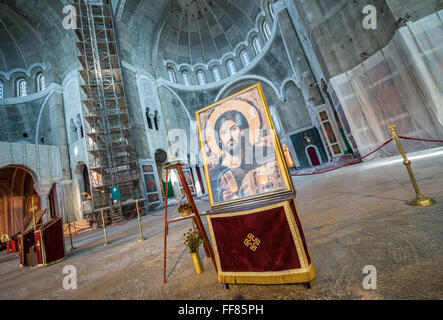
(420,200)
(70,237)
(104,230)
(141,239)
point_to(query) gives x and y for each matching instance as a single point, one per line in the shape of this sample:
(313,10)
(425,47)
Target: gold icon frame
(275,142)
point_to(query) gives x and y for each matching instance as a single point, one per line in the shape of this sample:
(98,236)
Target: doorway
(18,199)
(313,155)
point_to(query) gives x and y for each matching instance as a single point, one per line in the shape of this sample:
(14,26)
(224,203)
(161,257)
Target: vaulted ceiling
(32,32)
(192,31)
(17,42)
(198,31)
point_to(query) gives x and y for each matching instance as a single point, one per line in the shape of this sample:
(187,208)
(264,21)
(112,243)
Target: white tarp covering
(43,160)
(68,202)
(402,83)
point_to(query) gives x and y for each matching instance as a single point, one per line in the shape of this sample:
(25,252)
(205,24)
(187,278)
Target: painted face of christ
(230,135)
(239,148)
(232,130)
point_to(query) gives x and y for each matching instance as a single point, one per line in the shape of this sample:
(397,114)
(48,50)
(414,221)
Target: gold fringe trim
(290,278)
(50,264)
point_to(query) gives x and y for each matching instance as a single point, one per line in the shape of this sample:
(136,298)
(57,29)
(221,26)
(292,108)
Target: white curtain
(400,84)
(17,216)
(68,202)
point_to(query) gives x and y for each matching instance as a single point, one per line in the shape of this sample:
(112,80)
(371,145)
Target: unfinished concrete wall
(36,119)
(336,33)
(18,121)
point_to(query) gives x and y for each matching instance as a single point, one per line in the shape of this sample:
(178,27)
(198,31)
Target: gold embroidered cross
(252,242)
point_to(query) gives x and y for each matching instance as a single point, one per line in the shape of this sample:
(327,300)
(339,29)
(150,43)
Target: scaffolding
(112,158)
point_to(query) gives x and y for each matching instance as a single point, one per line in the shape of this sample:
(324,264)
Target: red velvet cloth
(275,252)
(53,241)
(11,246)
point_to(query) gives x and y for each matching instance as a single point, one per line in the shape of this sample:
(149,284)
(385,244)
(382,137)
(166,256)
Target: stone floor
(352,217)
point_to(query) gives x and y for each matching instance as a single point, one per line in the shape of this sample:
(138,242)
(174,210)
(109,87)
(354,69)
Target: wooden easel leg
(207,251)
(164,262)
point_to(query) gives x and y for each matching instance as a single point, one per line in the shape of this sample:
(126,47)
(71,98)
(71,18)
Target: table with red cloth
(50,243)
(43,247)
(261,246)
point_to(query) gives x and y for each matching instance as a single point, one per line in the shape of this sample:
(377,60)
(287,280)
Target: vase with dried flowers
(193,241)
(185,209)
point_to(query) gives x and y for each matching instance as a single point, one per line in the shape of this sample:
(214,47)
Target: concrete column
(300,66)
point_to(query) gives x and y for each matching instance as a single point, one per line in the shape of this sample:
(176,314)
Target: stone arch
(19,192)
(223,92)
(82,178)
(29,171)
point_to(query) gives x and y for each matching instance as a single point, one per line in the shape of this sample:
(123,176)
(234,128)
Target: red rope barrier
(418,139)
(143,209)
(150,213)
(76,232)
(127,221)
(344,165)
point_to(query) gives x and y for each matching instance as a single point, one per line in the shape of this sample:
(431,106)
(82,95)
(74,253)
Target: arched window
(230,65)
(257,45)
(73,131)
(156,119)
(41,83)
(148,118)
(2,90)
(171,76)
(245,57)
(186,78)
(201,77)
(42,140)
(266,30)
(216,73)
(22,88)
(271,8)
(80,125)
